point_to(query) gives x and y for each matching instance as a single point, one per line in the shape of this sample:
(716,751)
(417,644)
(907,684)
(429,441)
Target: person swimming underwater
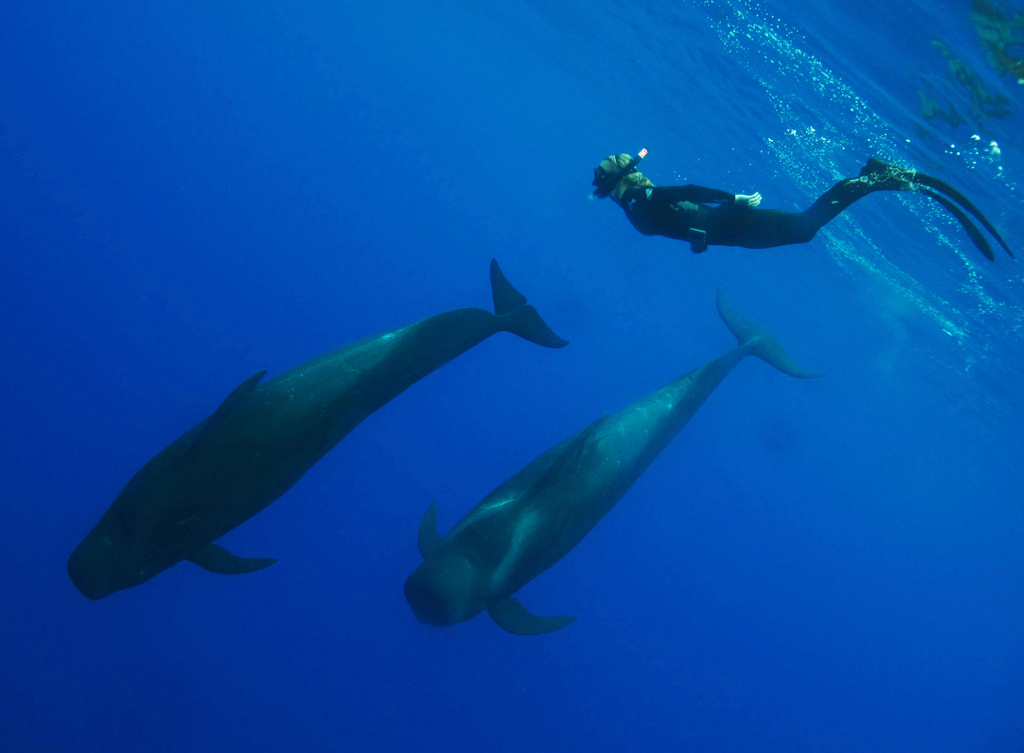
(682,212)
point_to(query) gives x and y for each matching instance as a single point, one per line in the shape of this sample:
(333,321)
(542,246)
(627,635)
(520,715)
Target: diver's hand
(748,201)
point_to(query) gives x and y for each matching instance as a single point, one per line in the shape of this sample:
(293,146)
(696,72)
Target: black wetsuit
(673,211)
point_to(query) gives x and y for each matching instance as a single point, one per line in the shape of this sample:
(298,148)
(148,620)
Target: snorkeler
(682,212)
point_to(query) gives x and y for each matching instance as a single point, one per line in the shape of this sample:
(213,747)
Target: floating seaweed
(997,35)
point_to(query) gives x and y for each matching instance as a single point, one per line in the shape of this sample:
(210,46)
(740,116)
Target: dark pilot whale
(536,517)
(262,439)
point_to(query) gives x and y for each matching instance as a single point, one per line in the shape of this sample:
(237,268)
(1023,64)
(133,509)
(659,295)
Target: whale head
(103,564)
(138,537)
(442,591)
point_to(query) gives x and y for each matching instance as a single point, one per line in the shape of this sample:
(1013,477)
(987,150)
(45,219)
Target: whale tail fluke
(517,317)
(758,341)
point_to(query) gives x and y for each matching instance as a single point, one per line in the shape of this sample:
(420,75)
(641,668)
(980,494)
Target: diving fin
(970,227)
(938,185)
(899,179)
(518,317)
(231,402)
(219,560)
(514,618)
(428,539)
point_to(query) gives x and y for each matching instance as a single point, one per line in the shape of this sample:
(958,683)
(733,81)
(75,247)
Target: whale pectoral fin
(231,402)
(219,560)
(429,541)
(514,618)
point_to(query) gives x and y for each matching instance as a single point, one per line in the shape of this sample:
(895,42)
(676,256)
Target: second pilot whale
(536,517)
(263,438)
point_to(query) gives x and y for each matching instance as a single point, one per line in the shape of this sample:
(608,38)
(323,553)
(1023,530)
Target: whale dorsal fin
(428,539)
(219,560)
(514,618)
(570,456)
(231,402)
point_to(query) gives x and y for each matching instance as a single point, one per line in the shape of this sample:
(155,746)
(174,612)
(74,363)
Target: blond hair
(614,163)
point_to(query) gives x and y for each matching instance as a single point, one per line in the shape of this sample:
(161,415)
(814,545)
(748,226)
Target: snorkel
(606,181)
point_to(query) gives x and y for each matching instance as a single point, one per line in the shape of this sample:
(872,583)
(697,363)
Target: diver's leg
(730,225)
(831,203)
(758,228)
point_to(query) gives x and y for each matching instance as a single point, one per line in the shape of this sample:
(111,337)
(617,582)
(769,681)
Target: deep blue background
(194,191)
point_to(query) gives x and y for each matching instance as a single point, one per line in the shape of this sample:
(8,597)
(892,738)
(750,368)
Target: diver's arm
(696,194)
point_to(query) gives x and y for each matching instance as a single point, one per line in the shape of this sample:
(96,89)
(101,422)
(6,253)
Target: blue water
(192,192)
